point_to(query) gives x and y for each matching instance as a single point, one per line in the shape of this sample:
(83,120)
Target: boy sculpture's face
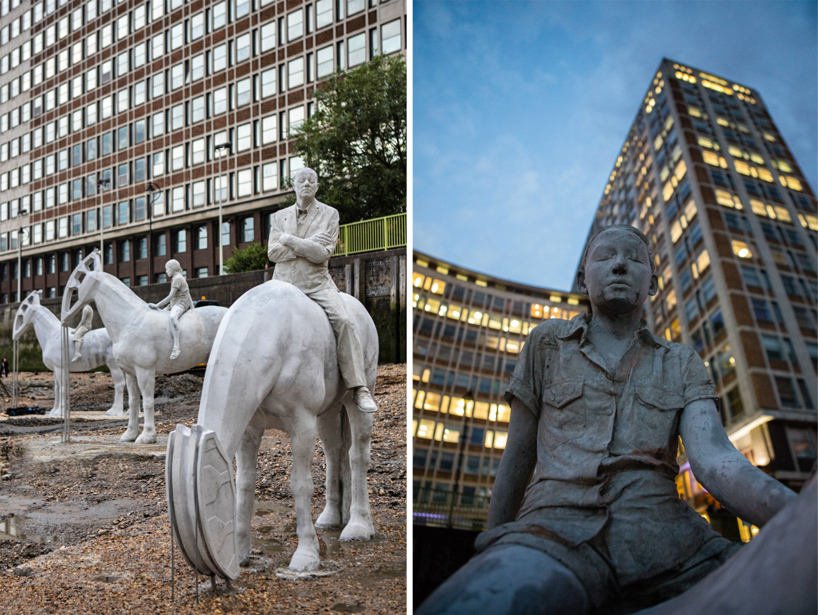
(618,275)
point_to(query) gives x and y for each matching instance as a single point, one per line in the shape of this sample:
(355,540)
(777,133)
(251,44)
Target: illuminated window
(741,249)
(426,429)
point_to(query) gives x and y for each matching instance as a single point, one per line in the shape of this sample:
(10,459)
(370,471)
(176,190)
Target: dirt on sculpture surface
(106,520)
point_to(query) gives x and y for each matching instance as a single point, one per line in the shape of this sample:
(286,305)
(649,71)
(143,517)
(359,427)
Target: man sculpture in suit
(302,239)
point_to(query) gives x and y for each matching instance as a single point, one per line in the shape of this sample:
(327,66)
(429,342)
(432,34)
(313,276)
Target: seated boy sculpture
(585,516)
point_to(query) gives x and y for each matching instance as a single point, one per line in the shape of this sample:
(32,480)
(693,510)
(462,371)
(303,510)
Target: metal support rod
(221,147)
(172,561)
(65,378)
(14,351)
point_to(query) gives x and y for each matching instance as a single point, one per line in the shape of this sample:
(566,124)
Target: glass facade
(468,330)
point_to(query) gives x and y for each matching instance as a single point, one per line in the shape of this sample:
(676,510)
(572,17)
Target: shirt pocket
(564,406)
(658,411)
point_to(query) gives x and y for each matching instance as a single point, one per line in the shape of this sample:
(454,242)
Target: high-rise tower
(705,173)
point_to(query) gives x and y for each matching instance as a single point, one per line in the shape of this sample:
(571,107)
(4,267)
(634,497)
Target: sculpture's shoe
(76,357)
(175,354)
(202,501)
(115,412)
(55,412)
(363,399)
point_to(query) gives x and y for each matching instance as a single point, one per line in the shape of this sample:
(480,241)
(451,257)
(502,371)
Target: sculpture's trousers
(350,355)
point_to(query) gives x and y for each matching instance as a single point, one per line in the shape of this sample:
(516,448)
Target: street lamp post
(21,212)
(154,191)
(220,148)
(103,182)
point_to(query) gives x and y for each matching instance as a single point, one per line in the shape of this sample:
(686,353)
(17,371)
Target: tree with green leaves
(356,140)
(250,258)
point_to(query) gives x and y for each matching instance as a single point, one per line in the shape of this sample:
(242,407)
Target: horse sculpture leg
(246,457)
(147,383)
(302,441)
(57,409)
(134,400)
(360,525)
(329,431)
(118,376)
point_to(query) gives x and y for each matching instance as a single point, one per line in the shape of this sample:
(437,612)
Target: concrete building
(468,330)
(707,176)
(137,126)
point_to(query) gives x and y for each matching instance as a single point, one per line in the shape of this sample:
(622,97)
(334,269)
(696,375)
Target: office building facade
(468,331)
(135,126)
(705,173)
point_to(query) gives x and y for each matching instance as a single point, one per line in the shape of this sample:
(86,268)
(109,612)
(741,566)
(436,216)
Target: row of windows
(190,30)
(179,244)
(241,49)
(244,137)
(267,83)
(240,184)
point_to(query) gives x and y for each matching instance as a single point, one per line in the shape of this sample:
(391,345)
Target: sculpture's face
(306,185)
(618,276)
(169,271)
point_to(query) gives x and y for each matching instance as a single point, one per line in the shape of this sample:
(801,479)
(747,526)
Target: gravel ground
(97,534)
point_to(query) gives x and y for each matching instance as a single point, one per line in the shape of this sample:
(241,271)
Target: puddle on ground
(268,546)
(332,539)
(14,528)
(267,508)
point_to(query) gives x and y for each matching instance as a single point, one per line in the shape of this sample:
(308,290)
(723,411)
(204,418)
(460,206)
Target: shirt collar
(579,329)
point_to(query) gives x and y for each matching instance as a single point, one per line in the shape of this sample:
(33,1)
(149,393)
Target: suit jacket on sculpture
(309,273)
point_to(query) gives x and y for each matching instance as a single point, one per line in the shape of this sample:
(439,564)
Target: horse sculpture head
(80,288)
(25,314)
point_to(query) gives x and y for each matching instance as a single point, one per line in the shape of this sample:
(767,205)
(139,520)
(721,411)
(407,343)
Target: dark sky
(521,109)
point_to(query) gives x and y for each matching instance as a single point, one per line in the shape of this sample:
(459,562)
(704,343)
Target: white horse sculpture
(141,336)
(273,365)
(97,349)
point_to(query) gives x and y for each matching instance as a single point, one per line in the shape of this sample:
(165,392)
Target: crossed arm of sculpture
(736,483)
(317,248)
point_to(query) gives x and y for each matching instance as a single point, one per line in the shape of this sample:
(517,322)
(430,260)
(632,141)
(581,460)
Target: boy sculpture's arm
(516,466)
(736,483)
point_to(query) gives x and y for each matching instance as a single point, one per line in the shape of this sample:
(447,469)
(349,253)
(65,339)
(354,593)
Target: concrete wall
(377,279)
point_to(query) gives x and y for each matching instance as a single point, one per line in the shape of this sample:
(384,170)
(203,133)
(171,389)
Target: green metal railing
(372,235)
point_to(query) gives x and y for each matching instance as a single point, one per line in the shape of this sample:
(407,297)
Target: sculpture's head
(306,183)
(172,267)
(25,314)
(617,270)
(80,288)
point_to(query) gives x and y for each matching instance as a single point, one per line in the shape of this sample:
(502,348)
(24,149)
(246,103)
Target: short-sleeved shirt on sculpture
(182,297)
(606,450)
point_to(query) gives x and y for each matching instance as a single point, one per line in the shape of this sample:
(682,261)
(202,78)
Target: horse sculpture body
(97,349)
(141,336)
(273,365)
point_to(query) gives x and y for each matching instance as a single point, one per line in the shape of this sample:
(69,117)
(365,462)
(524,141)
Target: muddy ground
(84,526)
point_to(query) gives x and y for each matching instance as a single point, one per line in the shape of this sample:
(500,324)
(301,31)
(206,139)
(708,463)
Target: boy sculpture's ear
(581,282)
(654,285)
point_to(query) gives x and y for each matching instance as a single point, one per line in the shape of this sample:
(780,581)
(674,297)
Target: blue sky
(521,108)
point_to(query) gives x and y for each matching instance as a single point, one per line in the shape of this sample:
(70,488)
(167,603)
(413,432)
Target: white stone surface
(97,349)
(274,365)
(142,339)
